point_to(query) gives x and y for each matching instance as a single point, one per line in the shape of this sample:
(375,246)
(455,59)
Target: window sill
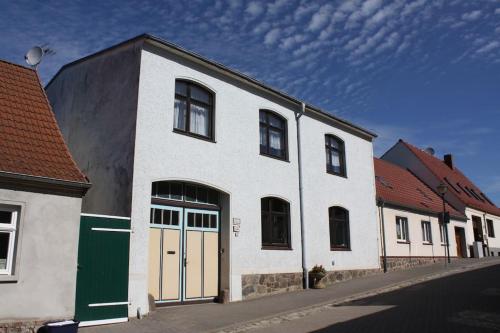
(196,136)
(426,243)
(404,242)
(340,249)
(275,157)
(336,174)
(8,278)
(271,247)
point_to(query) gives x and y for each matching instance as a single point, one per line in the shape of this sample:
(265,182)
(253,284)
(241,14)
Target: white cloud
(488,47)
(254,8)
(370,6)
(274,7)
(261,27)
(497,11)
(388,43)
(304,10)
(320,18)
(472,16)
(292,40)
(272,36)
(411,7)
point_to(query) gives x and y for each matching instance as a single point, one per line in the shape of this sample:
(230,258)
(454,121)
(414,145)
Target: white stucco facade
(417,247)
(42,286)
(493,243)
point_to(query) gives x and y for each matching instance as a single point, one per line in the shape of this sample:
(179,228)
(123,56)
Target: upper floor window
(335,155)
(8,228)
(402,233)
(273,138)
(491,230)
(426,232)
(339,228)
(193,110)
(275,220)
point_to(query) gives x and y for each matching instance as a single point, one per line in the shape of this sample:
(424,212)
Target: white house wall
(43,286)
(492,242)
(322,190)
(234,165)
(416,247)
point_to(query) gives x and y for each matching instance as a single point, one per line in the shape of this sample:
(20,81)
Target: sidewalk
(242,316)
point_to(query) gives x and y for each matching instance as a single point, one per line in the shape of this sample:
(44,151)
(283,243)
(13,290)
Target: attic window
(451,185)
(474,194)
(383,182)
(424,194)
(467,193)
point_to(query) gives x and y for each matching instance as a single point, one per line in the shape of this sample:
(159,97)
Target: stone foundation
(20,326)
(258,285)
(339,276)
(403,263)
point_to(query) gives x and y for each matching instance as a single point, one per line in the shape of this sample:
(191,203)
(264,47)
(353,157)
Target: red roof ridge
(17,65)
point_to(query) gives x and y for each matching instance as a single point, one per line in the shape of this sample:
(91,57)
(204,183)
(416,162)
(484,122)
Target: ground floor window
(402,233)
(8,228)
(442,233)
(275,221)
(426,232)
(339,228)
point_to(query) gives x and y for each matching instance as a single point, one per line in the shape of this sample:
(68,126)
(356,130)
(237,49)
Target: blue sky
(427,71)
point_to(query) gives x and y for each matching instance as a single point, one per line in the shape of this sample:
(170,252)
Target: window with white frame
(402,229)
(8,227)
(426,232)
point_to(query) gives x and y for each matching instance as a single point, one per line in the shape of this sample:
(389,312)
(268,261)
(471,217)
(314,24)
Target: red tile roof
(30,140)
(400,187)
(457,182)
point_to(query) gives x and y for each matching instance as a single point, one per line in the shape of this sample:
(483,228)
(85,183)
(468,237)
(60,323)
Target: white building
(411,233)
(482,214)
(40,200)
(205,162)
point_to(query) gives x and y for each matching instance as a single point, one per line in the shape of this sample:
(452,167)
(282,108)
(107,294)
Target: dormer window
(193,110)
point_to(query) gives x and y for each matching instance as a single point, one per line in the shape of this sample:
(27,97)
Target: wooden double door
(183,254)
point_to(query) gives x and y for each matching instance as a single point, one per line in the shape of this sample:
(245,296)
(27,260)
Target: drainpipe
(487,235)
(305,274)
(384,252)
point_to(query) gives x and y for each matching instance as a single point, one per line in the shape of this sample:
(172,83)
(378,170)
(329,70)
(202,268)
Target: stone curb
(313,309)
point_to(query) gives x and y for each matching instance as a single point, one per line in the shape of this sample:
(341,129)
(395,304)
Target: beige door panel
(154,262)
(193,264)
(171,257)
(210,264)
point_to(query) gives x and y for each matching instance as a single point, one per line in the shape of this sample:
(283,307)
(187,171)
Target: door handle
(170,252)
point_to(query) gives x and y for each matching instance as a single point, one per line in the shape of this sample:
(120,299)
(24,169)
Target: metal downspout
(305,274)
(384,252)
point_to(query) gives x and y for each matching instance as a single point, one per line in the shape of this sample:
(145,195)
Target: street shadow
(459,303)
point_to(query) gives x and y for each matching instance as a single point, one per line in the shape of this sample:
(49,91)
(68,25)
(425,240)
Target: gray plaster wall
(95,104)
(44,279)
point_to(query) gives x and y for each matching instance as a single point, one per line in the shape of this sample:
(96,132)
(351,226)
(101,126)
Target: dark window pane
(279,230)
(152,215)
(206,221)
(190,193)
(213,197)
(176,191)
(262,117)
(213,221)
(154,189)
(181,88)
(279,205)
(276,142)
(200,95)
(175,217)
(5,217)
(265,204)
(190,219)
(276,122)
(163,190)
(198,220)
(202,195)
(157,219)
(180,114)
(339,227)
(166,217)
(4,249)
(275,222)
(263,136)
(266,229)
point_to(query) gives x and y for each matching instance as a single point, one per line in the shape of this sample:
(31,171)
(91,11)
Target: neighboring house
(40,201)
(482,214)
(205,162)
(411,233)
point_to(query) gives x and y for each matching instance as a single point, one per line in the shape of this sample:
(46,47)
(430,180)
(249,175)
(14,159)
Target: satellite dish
(34,56)
(430,151)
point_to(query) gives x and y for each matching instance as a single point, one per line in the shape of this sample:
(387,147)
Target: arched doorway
(184,242)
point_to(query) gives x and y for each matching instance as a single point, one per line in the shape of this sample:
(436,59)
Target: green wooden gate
(103,265)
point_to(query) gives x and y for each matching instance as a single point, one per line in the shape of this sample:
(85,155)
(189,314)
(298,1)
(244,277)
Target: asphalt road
(466,302)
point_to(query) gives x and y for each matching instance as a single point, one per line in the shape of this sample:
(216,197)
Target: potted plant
(316,276)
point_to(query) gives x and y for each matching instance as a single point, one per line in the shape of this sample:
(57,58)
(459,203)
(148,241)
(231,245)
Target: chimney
(448,160)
